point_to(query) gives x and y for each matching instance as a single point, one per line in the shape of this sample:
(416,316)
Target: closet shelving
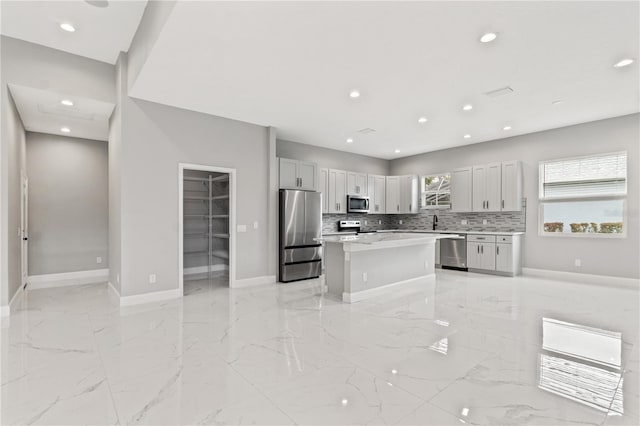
(206,223)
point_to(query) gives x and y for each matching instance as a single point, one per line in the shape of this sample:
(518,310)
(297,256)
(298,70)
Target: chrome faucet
(435,222)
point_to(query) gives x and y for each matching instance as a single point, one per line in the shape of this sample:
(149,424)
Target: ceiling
(101,32)
(42,111)
(292,65)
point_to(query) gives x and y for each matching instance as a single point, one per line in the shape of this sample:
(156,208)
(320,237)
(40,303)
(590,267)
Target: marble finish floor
(464,348)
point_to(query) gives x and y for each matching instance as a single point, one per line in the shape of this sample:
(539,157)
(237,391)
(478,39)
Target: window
(584,196)
(436,191)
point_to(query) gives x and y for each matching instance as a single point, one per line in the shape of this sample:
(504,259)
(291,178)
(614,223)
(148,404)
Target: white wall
(331,158)
(68,203)
(614,257)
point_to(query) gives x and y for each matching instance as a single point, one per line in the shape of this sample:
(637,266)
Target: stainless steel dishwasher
(453,252)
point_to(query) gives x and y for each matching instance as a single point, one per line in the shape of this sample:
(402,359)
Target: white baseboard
(156,296)
(5,310)
(250,282)
(67,278)
(114,291)
(374,292)
(205,269)
(603,280)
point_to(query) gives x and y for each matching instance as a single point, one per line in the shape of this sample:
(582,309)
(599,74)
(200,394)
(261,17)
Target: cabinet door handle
(503,204)
(409,206)
(478,248)
(398,207)
(497,249)
(487,204)
(482,249)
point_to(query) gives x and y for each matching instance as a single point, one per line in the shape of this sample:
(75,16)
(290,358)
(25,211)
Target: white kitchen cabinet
(504,257)
(461,190)
(324,189)
(393,195)
(337,191)
(376,187)
(409,194)
(486,187)
(481,253)
(495,254)
(294,174)
(356,183)
(511,186)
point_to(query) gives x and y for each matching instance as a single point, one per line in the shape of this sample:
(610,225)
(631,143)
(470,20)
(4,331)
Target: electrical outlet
(379,221)
(578,263)
(400,221)
(255,225)
(98,259)
(364,277)
(242,228)
(366,222)
(152,278)
(463,221)
(484,221)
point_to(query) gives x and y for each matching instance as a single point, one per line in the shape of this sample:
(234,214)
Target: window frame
(422,192)
(542,201)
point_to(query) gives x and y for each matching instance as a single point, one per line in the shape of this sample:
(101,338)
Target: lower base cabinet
(495,254)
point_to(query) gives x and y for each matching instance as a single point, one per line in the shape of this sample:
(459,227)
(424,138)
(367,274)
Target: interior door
(24,226)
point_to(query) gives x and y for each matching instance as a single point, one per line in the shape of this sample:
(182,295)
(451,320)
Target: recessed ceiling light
(354,94)
(397,151)
(467,107)
(67,102)
(623,63)
(557,102)
(349,140)
(506,128)
(488,37)
(422,120)
(467,136)
(345,402)
(394,371)
(67,27)
(65,129)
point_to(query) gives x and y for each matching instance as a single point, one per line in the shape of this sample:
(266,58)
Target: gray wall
(331,158)
(40,67)
(615,257)
(68,209)
(12,157)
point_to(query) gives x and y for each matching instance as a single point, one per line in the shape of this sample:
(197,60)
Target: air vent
(499,92)
(366,131)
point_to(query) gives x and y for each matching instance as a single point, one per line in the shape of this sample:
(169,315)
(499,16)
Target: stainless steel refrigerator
(300,224)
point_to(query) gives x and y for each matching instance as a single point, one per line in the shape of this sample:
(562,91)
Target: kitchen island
(366,265)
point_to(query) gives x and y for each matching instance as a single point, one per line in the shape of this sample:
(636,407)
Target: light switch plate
(463,221)
(255,225)
(484,221)
(98,259)
(400,221)
(152,278)
(242,228)
(364,277)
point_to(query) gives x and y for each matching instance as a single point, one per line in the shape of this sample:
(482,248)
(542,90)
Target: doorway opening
(207,196)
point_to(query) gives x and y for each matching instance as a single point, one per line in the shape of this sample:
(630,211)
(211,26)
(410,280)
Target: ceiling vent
(499,92)
(366,131)
(66,112)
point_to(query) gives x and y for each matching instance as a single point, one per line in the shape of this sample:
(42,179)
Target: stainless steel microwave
(357,204)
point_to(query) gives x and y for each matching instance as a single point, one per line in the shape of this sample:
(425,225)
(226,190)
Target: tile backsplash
(497,221)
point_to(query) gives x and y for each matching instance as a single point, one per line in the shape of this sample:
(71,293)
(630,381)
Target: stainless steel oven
(357,204)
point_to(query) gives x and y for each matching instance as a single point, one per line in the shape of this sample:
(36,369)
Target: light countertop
(428,231)
(381,240)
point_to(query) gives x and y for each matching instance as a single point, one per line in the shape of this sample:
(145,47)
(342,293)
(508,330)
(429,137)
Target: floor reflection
(582,363)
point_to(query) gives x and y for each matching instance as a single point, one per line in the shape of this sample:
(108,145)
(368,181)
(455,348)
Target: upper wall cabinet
(376,187)
(402,194)
(461,190)
(356,183)
(337,198)
(486,188)
(296,174)
(511,186)
(324,189)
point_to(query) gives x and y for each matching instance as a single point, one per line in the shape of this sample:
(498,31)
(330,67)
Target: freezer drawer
(300,271)
(305,254)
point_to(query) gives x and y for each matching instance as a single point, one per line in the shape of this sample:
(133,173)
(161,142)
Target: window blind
(598,175)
